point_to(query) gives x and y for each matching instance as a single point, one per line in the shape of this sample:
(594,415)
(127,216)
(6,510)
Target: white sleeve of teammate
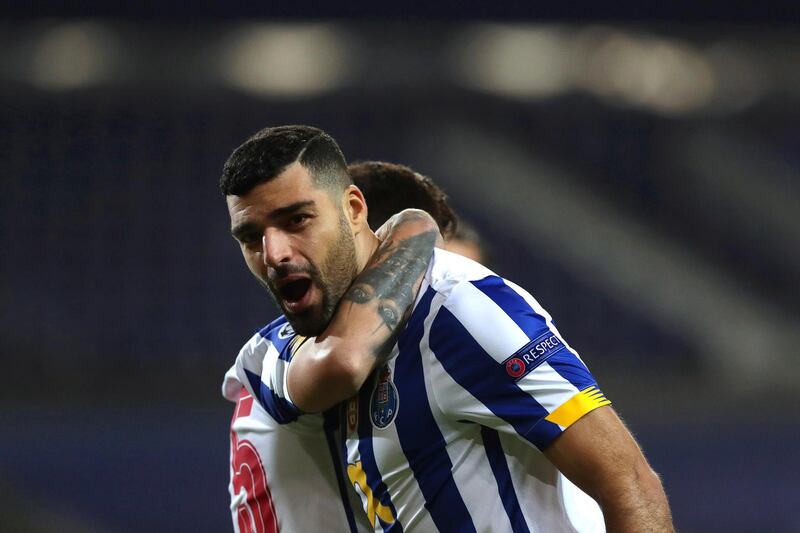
(261,368)
(231,386)
(250,362)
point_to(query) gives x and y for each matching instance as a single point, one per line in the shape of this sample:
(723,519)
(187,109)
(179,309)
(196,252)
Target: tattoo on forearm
(389,280)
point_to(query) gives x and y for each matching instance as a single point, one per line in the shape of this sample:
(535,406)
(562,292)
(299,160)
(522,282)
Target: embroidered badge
(515,367)
(286,331)
(532,355)
(384,401)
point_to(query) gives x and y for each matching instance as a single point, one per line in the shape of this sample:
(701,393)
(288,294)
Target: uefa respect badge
(533,354)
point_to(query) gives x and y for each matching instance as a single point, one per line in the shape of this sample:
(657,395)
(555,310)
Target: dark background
(636,169)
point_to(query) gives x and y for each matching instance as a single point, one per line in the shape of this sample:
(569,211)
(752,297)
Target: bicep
(323,373)
(599,455)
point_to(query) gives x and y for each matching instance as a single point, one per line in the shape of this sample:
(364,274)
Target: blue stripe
(367,453)
(572,369)
(275,324)
(514,305)
(476,371)
(330,425)
(502,475)
(565,362)
(419,434)
(271,331)
(285,353)
(281,409)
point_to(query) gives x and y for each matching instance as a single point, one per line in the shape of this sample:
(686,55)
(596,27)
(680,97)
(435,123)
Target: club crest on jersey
(286,331)
(532,355)
(384,401)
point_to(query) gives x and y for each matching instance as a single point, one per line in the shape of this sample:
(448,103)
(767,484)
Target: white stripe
(231,385)
(535,480)
(486,322)
(466,453)
(548,387)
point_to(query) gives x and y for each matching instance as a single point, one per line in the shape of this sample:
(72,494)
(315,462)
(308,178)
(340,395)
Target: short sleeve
(505,365)
(261,367)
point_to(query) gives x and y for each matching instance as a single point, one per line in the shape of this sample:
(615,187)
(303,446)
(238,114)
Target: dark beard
(337,272)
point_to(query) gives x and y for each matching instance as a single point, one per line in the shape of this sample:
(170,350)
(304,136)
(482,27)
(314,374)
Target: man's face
(298,242)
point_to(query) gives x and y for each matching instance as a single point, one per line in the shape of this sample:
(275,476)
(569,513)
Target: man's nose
(276,248)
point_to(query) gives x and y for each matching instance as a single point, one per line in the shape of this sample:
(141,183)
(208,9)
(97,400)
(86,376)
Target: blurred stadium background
(640,178)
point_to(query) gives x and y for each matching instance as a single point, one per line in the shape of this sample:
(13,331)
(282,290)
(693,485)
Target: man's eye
(250,239)
(298,220)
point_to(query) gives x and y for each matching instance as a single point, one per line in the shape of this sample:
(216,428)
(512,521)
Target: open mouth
(294,291)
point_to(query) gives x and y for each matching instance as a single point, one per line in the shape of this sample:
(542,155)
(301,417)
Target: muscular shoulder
(493,314)
(470,290)
(448,270)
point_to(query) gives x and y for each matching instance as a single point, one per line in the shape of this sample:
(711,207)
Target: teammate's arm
(331,368)
(600,456)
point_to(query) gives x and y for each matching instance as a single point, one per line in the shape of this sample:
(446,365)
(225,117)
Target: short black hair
(266,155)
(389,188)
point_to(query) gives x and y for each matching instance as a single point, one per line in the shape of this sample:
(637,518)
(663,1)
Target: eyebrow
(289,209)
(241,229)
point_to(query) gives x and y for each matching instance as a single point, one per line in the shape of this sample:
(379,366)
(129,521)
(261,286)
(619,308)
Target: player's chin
(308,323)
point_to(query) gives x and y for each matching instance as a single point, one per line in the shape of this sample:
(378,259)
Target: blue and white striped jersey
(287,470)
(447,435)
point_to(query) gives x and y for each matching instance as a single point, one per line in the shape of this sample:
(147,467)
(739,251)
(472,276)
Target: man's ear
(355,208)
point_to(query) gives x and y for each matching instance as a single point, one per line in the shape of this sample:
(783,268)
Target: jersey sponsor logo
(384,400)
(372,505)
(352,414)
(286,331)
(532,355)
